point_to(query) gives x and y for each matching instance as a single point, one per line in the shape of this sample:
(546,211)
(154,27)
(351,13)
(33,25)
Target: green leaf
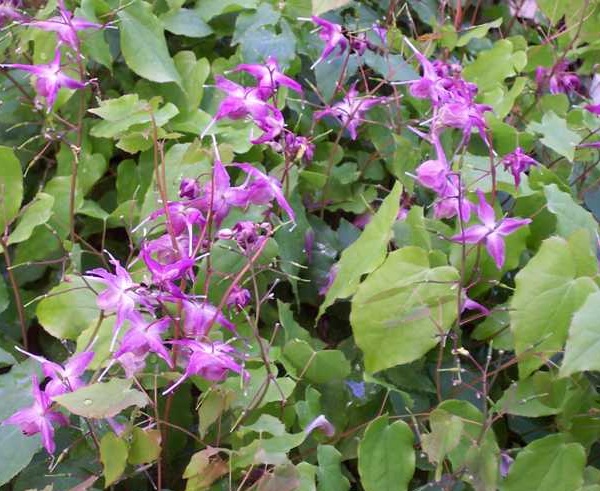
(186,22)
(145,446)
(329,473)
(549,290)
(307,473)
(72,296)
(209,10)
(366,253)
(386,458)
(127,111)
(113,454)
(493,66)
(547,463)
(570,216)
(477,450)
(37,213)
(266,423)
(212,406)
(581,351)
(143,44)
(445,435)
(11,187)
(321,6)
(556,135)
(477,32)
(102,400)
(400,310)
(317,366)
(538,395)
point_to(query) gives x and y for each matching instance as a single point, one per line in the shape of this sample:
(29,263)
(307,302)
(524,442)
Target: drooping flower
(329,279)
(63,378)
(238,297)
(142,338)
(359,43)
(518,162)
(525,9)
(272,125)
(269,76)
(433,174)
(261,189)
(49,78)
(490,231)
(211,361)
(38,418)
(199,318)
(593,108)
(469,304)
(463,115)
(451,202)
(298,147)
(65,26)
(350,110)
(320,423)
(558,78)
(164,263)
(120,295)
(189,188)
(333,36)
(9,12)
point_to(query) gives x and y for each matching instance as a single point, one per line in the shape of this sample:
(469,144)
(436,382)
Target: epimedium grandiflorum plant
(320,245)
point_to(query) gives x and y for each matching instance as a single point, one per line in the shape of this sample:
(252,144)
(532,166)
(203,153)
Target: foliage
(246,248)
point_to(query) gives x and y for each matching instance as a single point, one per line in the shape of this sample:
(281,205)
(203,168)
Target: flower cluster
(453,103)
(50,77)
(258,104)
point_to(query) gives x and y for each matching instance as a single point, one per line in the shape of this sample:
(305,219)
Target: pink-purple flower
(39,417)
(66,27)
(333,36)
(49,78)
(210,360)
(558,78)
(350,110)
(269,76)
(518,162)
(490,231)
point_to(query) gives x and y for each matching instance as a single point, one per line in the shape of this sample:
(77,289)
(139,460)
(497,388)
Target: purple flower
(298,147)
(49,78)
(63,378)
(261,189)
(269,76)
(433,174)
(525,9)
(211,361)
(518,162)
(491,232)
(38,418)
(164,263)
(329,279)
(505,463)
(9,12)
(272,125)
(141,339)
(333,36)
(468,304)
(451,203)
(359,43)
(120,295)
(462,115)
(66,27)
(238,298)
(216,194)
(189,188)
(320,423)
(199,318)
(247,235)
(593,108)
(350,110)
(558,78)
(381,33)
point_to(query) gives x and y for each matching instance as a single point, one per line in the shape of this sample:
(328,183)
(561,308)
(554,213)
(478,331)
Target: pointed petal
(471,235)
(495,246)
(510,225)
(485,212)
